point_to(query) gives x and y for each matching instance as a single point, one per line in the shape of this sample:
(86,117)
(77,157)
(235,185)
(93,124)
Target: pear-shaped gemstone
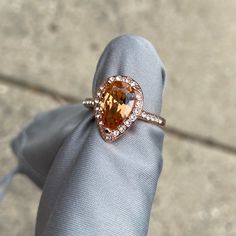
(116,104)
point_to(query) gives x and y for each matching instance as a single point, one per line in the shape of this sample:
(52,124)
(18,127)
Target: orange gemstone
(116,104)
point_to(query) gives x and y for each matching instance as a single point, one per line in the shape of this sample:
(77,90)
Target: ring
(117,105)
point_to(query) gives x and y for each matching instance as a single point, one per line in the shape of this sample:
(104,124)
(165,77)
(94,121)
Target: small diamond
(138,104)
(133,84)
(144,115)
(116,133)
(133,117)
(96,100)
(108,138)
(153,118)
(127,80)
(156,119)
(139,96)
(100,123)
(118,78)
(97,109)
(127,123)
(136,110)
(112,79)
(148,117)
(97,116)
(122,128)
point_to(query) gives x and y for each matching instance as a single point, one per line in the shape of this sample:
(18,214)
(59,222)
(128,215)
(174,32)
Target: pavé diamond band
(117,105)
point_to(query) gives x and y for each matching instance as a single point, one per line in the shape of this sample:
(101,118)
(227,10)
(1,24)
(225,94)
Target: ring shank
(145,116)
(152,118)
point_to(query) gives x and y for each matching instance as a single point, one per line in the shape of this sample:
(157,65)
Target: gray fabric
(91,187)
(38,143)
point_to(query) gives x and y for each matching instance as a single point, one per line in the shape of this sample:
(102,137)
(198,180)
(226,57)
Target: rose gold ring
(117,105)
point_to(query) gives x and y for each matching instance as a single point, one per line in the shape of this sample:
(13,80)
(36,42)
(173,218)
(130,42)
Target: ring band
(145,116)
(117,105)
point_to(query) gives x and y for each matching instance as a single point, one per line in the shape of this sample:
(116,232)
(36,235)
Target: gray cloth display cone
(91,187)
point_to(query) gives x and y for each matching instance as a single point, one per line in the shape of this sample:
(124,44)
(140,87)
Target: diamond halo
(111,135)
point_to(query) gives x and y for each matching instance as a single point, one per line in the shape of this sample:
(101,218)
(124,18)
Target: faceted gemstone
(116,103)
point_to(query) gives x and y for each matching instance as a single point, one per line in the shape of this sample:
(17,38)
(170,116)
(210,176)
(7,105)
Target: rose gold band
(145,116)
